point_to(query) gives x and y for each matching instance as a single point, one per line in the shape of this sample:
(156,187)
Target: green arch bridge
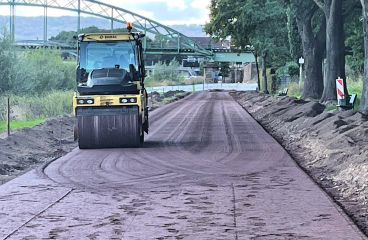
(176,42)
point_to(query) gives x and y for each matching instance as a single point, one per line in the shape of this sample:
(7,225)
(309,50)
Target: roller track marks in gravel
(207,171)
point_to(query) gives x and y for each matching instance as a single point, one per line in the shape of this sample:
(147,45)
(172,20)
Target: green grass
(19,124)
(353,87)
(356,87)
(172,97)
(330,108)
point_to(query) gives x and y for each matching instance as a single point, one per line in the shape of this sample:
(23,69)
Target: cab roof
(107,36)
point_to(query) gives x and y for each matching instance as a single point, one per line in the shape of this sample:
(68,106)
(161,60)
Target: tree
(295,41)
(259,24)
(7,60)
(354,40)
(364,99)
(225,70)
(335,47)
(166,72)
(312,29)
(42,70)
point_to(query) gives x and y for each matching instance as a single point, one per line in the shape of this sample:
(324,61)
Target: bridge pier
(12,21)
(45,25)
(210,72)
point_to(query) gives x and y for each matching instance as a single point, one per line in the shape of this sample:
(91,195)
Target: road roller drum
(109,128)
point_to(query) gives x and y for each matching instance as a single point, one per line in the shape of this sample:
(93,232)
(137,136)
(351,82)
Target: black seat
(123,62)
(109,61)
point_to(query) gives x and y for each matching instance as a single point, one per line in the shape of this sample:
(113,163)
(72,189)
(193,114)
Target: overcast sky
(163,11)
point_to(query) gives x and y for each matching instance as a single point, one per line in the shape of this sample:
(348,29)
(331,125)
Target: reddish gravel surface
(28,148)
(331,146)
(207,171)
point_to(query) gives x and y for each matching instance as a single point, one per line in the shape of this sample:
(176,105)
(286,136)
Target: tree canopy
(260,26)
(320,29)
(35,71)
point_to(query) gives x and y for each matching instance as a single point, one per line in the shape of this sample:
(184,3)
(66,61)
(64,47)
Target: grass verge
(353,87)
(165,100)
(19,124)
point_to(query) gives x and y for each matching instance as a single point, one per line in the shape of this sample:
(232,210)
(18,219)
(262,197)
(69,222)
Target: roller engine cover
(108,81)
(108,76)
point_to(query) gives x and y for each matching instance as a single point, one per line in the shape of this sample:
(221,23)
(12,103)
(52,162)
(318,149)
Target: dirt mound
(28,148)
(156,100)
(331,146)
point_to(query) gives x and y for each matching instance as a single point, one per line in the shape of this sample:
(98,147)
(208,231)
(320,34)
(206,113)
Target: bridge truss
(176,42)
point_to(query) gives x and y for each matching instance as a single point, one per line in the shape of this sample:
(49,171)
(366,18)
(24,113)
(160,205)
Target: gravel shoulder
(331,146)
(29,148)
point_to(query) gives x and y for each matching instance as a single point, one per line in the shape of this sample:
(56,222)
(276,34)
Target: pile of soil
(27,148)
(331,146)
(156,100)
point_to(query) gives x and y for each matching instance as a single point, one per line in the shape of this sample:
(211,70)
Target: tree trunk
(363,107)
(335,49)
(313,51)
(264,74)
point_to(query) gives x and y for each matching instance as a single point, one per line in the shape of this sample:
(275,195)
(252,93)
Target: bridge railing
(60,44)
(205,87)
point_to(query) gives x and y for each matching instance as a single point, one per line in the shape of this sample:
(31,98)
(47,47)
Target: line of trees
(284,30)
(167,74)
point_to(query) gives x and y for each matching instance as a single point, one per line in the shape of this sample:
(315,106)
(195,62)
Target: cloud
(129,5)
(177,4)
(200,4)
(163,12)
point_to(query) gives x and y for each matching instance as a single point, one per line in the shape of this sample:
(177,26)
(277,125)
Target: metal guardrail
(205,87)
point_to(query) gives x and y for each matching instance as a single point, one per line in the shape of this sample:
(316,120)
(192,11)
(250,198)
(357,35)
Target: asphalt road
(207,171)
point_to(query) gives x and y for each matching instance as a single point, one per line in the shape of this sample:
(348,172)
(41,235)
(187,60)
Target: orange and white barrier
(340,89)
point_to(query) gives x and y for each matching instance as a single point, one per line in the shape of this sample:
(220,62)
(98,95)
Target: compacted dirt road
(206,171)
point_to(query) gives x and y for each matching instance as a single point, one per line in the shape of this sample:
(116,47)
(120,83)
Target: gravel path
(208,170)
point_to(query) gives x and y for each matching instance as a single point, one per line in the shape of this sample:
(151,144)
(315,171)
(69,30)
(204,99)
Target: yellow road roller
(110,104)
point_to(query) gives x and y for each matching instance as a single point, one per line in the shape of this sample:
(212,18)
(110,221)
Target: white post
(8,116)
(301,61)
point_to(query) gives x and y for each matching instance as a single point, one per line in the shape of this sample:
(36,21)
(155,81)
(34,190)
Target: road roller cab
(111,102)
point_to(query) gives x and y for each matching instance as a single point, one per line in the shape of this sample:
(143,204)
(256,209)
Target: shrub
(42,70)
(293,89)
(28,108)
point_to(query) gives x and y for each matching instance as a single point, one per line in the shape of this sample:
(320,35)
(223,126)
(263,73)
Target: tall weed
(293,89)
(355,86)
(28,108)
